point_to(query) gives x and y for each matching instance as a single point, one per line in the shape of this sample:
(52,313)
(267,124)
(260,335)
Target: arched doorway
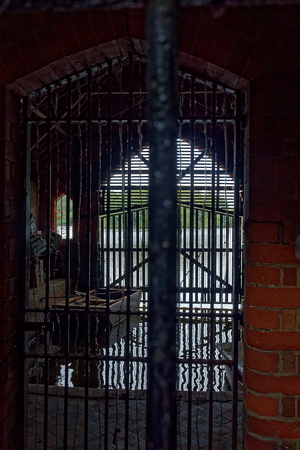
(87,136)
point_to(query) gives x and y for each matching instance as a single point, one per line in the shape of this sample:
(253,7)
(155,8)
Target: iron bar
(107,309)
(26,260)
(67,280)
(192,266)
(212,282)
(236,271)
(88,264)
(129,255)
(163,111)
(48,268)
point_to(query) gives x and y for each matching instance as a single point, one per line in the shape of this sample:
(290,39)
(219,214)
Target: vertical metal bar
(162,82)
(138,215)
(144,247)
(129,264)
(102,253)
(47,299)
(107,318)
(227,253)
(202,283)
(120,244)
(68,275)
(88,262)
(26,260)
(237,268)
(184,244)
(114,247)
(213,272)
(191,280)
(221,273)
(197,253)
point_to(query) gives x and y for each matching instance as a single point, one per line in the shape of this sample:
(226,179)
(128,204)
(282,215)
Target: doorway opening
(86,310)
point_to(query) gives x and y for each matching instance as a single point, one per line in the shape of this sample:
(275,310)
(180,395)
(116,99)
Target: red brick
(264,147)
(136,19)
(290,232)
(273,102)
(289,363)
(266,319)
(263,232)
(239,56)
(272,384)
(264,275)
(290,276)
(63,27)
(13,60)
(118,20)
(5,75)
(253,25)
(272,34)
(262,405)
(262,361)
(290,147)
(253,443)
(262,190)
(81,21)
(298,320)
(274,428)
(204,36)
(52,51)
(271,253)
(86,39)
(289,319)
(261,127)
(222,47)
(32,53)
(69,45)
(258,170)
(289,168)
(272,297)
(272,340)
(267,210)
(284,59)
(101,23)
(231,20)
(289,188)
(288,405)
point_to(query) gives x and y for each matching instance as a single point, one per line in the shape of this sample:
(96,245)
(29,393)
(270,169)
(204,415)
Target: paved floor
(114,427)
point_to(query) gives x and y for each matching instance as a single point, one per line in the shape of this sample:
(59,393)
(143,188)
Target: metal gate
(86,310)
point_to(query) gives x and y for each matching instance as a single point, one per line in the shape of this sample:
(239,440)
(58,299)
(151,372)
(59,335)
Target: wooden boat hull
(225,350)
(118,302)
(100,317)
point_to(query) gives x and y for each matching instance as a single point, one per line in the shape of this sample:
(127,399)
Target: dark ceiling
(63,5)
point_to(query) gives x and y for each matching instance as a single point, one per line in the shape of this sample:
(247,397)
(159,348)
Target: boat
(225,350)
(99,317)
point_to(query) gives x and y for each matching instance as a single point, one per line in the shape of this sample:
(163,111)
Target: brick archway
(244,47)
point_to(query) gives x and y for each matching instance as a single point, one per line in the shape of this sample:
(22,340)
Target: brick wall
(272,319)
(11,397)
(237,47)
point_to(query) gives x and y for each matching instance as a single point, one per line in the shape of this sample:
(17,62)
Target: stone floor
(114,428)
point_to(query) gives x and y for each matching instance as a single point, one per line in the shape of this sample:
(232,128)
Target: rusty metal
(163,131)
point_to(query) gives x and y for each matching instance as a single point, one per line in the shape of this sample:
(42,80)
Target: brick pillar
(11,397)
(272,296)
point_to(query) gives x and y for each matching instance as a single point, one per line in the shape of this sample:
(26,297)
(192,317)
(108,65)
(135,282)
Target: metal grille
(86,310)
